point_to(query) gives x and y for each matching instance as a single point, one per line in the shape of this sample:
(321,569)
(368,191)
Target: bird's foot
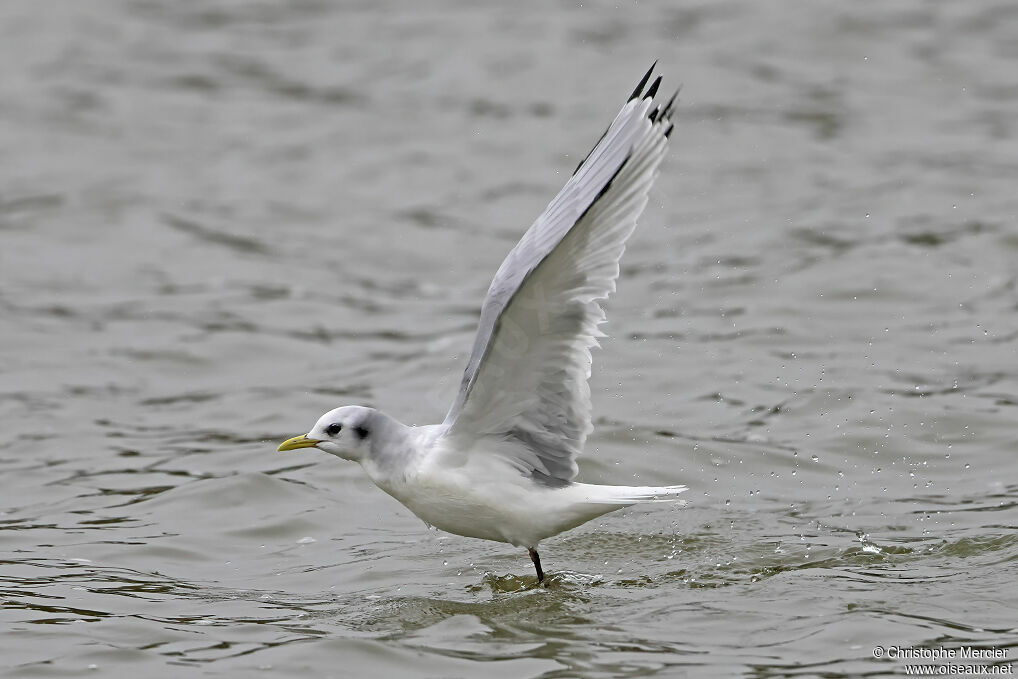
(536,558)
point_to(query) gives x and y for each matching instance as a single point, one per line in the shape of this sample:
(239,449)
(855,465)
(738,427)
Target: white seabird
(501,466)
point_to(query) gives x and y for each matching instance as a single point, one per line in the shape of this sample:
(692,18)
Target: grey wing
(526,381)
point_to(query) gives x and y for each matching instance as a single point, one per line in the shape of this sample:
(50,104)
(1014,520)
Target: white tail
(629,495)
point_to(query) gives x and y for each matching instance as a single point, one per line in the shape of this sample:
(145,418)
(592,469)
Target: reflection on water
(219,220)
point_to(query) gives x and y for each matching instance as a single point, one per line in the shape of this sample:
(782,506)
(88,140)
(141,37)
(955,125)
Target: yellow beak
(296,442)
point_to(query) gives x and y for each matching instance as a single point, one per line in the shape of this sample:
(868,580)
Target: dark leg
(536,558)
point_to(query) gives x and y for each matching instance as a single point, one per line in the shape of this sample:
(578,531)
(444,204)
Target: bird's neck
(393,450)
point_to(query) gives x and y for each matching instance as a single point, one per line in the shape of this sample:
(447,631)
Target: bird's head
(344,432)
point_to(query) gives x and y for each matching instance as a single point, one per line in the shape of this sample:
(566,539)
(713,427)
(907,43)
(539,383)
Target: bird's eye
(334,429)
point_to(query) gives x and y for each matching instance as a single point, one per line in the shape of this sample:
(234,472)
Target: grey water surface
(220,219)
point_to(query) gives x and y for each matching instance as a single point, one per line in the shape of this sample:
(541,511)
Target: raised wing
(525,385)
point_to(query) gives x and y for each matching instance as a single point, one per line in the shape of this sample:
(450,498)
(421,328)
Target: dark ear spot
(361,432)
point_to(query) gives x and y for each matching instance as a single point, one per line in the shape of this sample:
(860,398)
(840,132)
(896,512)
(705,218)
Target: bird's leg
(536,558)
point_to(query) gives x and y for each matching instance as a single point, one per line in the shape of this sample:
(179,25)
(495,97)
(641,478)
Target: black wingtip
(668,132)
(666,111)
(643,83)
(653,88)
